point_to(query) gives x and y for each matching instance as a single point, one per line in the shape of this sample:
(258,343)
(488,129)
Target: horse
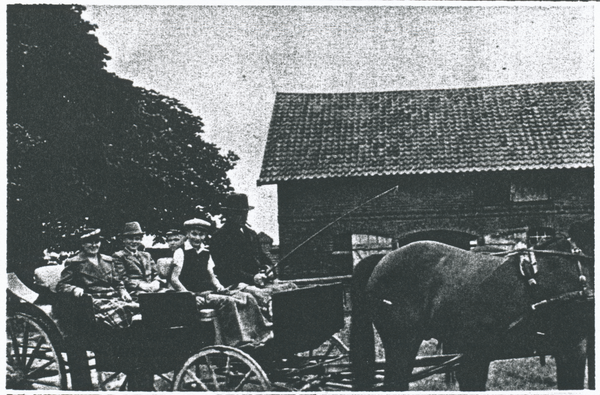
(530,302)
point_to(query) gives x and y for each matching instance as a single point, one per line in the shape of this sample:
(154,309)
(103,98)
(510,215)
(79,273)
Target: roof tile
(513,127)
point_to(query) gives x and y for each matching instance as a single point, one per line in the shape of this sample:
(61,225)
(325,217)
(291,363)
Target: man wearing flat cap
(236,249)
(238,314)
(197,273)
(136,268)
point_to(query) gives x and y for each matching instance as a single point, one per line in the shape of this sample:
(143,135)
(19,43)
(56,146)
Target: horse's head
(564,272)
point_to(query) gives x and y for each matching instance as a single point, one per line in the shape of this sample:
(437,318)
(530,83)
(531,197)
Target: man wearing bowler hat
(235,248)
(136,268)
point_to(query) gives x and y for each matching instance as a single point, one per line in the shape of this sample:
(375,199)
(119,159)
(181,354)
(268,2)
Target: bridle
(528,269)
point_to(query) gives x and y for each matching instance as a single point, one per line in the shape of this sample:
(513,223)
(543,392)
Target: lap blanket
(239,319)
(114,312)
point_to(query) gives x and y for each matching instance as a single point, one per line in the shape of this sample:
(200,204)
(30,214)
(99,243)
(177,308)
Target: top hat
(197,223)
(236,202)
(87,235)
(132,229)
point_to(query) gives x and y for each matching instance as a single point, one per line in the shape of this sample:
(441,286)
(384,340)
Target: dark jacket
(98,280)
(135,269)
(238,255)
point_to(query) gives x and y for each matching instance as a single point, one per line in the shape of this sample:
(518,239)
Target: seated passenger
(176,241)
(238,315)
(240,262)
(92,273)
(136,268)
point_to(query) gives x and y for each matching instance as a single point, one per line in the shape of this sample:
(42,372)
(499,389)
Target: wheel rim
(32,360)
(221,368)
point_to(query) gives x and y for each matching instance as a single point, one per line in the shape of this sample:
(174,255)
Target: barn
(372,171)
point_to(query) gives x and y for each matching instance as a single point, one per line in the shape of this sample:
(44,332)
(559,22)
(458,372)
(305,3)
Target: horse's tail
(362,337)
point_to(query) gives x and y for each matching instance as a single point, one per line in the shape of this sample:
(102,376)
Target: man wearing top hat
(136,268)
(236,250)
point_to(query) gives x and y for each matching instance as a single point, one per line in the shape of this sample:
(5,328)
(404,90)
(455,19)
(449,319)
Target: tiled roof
(513,127)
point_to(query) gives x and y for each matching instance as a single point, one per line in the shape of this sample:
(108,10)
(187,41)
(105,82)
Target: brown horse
(477,305)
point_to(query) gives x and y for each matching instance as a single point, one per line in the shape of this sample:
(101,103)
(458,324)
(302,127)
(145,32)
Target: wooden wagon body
(59,345)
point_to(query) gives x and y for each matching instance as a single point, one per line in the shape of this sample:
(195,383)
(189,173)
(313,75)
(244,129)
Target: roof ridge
(481,87)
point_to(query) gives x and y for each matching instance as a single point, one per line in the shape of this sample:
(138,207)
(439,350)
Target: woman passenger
(92,273)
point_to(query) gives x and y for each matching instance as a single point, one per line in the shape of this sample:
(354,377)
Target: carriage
(58,345)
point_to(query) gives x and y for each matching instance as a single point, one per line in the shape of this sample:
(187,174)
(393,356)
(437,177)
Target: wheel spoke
(212,373)
(227,371)
(110,378)
(123,386)
(25,343)
(52,383)
(243,380)
(15,343)
(197,380)
(35,352)
(34,373)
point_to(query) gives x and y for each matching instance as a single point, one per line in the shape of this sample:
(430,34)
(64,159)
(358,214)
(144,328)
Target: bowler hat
(236,202)
(197,223)
(132,229)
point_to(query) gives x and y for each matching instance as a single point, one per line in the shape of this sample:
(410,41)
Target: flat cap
(197,223)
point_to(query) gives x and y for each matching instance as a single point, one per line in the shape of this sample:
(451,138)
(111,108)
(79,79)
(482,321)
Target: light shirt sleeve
(178,256)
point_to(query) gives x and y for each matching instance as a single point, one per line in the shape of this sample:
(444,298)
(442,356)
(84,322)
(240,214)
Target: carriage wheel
(221,368)
(33,361)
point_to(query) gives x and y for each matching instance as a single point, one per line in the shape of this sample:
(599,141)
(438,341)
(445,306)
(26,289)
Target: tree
(86,145)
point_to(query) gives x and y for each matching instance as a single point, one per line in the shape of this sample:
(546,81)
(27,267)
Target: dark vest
(194,273)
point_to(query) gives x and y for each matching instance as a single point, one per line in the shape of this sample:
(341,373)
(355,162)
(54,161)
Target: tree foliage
(84,143)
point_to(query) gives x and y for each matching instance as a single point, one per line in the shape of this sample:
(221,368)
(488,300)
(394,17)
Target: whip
(270,270)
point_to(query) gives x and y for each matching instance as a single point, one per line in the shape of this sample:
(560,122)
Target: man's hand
(154,286)
(125,295)
(260,280)
(78,292)
(149,287)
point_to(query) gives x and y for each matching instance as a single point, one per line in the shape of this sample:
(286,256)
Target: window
(527,192)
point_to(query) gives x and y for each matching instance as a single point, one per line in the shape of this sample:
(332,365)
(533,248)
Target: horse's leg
(591,360)
(472,374)
(591,355)
(570,367)
(401,348)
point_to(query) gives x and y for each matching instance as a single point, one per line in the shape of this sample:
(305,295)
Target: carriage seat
(48,276)
(164,267)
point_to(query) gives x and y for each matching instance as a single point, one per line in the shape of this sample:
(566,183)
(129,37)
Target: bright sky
(226,63)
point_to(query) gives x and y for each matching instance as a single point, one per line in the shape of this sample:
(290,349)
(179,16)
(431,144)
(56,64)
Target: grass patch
(523,374)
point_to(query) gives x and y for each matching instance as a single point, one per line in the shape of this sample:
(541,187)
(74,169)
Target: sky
(226,63)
